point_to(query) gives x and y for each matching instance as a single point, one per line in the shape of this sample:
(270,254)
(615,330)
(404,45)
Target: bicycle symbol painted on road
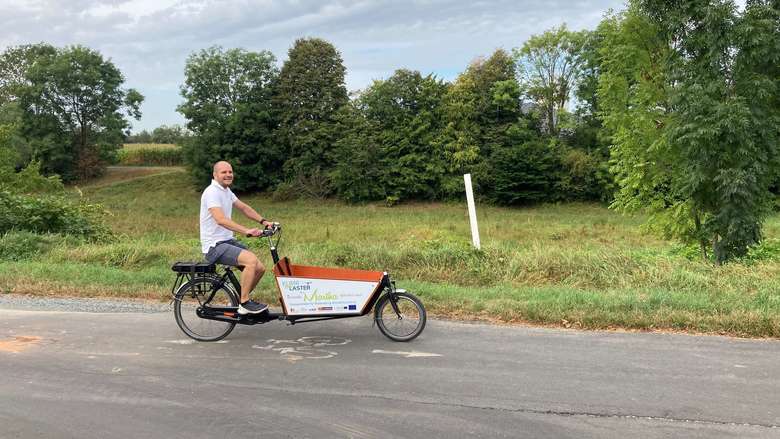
(304,348)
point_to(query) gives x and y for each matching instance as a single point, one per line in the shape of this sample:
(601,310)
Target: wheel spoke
(199,295)
(402,320)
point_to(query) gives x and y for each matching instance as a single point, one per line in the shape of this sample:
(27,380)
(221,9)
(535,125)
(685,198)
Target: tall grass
(150,154)
(575,265)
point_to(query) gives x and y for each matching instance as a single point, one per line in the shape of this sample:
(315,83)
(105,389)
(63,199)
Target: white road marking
(411,354)
(304,348)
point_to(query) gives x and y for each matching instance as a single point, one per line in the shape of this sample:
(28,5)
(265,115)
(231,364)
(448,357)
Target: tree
(392,138)
(15,62)
(586,156)
(482,113)
(549,65)
(227,105)
(14,151)
(309,93)
(524,173)
(74,111)
(690,91)
(169,134)
(359,170)
(143,137)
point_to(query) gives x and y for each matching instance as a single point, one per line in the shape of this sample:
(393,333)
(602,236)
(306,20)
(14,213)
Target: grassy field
(572,265)
(115,174)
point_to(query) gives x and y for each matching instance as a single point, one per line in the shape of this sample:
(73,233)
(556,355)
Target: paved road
(93,375)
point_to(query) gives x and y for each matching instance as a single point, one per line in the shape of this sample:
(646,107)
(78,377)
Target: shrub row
(51,214)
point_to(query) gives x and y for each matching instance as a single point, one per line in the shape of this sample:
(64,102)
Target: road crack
(567,413)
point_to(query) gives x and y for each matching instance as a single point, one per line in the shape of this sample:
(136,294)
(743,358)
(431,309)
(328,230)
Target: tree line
(669,108)
(162,134)
(296,131)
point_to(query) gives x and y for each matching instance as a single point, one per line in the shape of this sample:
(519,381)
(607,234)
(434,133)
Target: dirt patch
(19,343)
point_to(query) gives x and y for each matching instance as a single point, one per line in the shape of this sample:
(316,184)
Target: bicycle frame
(306,294)
(297,276)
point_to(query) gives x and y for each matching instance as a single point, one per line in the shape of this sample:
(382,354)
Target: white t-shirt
(211,232)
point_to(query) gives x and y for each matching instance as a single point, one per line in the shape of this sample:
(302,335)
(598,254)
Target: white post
(472,211)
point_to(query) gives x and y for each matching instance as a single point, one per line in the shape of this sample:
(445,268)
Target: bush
(28,180)
(524,174)
(51,214)
(150,157)
(582,177)
(89,165)
(316,186)
(21,245)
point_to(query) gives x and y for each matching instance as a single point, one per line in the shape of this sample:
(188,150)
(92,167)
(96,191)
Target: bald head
(223,173)
(219,165)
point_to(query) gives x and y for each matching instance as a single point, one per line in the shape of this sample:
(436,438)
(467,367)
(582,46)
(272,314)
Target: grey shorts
(225,253)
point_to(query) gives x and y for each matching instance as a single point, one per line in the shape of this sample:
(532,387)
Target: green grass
(117,174)
(577,265)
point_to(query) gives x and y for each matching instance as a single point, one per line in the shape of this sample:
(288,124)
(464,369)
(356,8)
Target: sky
(150,40)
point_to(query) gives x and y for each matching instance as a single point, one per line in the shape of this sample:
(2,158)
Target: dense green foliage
(481,108)
(69,108)
(50,213)
(34,203)
(228,108)
(691,93)
(387,151)
(309,93)
(407,137)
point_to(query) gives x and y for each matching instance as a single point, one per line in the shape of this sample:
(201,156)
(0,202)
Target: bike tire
(198,292)
(404,327)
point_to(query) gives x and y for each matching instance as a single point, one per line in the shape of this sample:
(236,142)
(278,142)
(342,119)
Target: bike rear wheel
(402,322)
(201,292)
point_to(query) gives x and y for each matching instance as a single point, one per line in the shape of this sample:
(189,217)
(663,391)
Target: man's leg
(251,274)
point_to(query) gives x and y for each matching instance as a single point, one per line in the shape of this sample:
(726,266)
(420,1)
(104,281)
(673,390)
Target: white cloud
(149,40)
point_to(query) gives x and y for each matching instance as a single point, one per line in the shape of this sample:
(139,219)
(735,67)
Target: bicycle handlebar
(275,227)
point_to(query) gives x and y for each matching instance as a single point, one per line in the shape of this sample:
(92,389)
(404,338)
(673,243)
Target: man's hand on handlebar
(269,230)
(254,232)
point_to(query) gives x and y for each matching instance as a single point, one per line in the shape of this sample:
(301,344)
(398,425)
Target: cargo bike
(206,297)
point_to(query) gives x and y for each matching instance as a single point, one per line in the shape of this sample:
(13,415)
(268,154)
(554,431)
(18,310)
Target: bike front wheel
(400,316)
(203,292)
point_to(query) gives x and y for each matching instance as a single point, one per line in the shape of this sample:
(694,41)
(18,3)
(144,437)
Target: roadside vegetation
(574,265)
(675,124)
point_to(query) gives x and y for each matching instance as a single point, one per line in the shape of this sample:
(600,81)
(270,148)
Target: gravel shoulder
(80,304)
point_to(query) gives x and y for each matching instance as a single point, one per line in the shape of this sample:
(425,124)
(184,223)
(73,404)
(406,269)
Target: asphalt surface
(134,374)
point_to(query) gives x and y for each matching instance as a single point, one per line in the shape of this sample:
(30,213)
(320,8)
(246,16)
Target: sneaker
(251,307)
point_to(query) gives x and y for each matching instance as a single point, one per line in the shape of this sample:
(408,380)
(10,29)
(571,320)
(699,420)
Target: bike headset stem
(274,253)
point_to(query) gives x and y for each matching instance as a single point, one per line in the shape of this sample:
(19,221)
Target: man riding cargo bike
(208,305)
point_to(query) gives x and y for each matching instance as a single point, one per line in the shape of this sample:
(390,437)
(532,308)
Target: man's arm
(249,212)
(229,224)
